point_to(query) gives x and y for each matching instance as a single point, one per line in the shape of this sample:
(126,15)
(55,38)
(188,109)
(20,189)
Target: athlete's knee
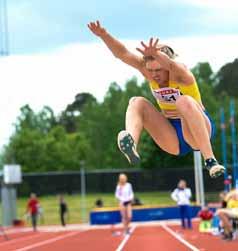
(138,104)
(137,100)
(185,103)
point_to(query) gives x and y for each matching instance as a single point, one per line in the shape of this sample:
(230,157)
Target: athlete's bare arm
(117,48)
(179,71)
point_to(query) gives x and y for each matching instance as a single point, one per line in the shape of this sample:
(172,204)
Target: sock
(210,162)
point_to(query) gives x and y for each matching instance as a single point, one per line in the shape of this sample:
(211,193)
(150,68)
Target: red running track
(159,237)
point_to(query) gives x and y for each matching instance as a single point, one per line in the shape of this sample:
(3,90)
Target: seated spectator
(226,214)
(206,216)
(136,202)
(222,196)
(99,203)
(18,223)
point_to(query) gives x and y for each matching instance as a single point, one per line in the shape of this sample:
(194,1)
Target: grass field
(51,208)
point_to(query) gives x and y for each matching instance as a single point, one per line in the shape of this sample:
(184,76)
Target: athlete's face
(158,74)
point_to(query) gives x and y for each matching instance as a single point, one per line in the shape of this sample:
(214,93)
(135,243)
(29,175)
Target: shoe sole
(220,170)
(126,145)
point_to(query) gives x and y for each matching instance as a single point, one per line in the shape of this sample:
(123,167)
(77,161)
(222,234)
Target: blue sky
(42,25)
(53,55)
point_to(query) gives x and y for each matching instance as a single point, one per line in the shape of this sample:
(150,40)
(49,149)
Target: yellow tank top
(167,96)
(232,203)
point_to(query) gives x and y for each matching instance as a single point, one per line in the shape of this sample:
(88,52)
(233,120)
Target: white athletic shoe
(214,168)
(127,146)
(216,171)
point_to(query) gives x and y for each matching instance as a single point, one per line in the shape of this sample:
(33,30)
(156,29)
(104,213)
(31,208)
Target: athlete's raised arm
(156,50)
(117,48)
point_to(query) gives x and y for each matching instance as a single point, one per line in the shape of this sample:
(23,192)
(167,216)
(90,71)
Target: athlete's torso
(167,96)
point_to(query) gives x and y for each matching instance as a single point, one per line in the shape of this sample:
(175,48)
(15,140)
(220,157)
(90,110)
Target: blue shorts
(184,147)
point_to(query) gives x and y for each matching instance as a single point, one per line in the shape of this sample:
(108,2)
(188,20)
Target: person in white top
(124,194)
(182,195)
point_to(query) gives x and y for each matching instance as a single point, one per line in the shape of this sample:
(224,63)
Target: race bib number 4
(167,95)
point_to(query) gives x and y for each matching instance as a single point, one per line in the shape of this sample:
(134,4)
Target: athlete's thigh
(188,137)
(160,129)
(187,132)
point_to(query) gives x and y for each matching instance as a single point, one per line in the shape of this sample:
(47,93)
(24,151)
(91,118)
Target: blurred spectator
(229,213)
(125,195)
(63,210)
(222,196)
(206,216)
(182,195)
(99,203)
(216,224)
(136,202)
(18,223)
(32,209)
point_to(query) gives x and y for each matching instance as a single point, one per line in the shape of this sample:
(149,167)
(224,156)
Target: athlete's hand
(150,49)
(96,28)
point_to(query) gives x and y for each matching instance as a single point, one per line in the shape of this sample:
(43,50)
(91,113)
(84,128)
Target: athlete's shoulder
(183,74)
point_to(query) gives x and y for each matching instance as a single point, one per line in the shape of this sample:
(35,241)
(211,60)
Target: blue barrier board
(139,214)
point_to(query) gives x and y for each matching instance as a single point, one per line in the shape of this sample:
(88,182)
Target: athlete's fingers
(141,51)
(98,24)
(156,42)
(144,45)
(151,42)
(91,25)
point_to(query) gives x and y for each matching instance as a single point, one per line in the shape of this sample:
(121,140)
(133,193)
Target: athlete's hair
(166,50)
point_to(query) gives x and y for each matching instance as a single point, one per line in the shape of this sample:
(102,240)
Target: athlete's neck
(163,84)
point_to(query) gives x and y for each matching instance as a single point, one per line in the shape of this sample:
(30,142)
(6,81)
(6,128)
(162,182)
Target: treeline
(85,133)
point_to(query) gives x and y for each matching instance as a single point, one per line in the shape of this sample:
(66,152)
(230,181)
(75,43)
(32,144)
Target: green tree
(203,73)
(68,118)
(227,79)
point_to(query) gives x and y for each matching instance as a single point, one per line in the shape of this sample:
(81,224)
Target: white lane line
(178,237)
(19,239)
(124,241)
(42,243)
